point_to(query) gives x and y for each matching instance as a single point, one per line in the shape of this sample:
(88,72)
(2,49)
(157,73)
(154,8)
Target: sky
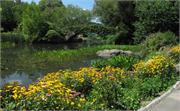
(85,4)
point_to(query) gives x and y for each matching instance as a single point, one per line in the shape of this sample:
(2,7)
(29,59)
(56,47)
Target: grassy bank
(74,54)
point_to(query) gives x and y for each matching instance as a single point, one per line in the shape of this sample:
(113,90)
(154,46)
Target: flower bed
(93,88)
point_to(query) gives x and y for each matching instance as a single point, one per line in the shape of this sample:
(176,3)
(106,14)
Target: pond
(19,64)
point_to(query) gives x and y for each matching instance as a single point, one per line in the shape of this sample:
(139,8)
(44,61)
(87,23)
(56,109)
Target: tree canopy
(127,21)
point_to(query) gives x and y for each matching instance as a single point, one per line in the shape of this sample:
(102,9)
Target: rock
(113,52)
(108,53)
(177,66)
(129,53)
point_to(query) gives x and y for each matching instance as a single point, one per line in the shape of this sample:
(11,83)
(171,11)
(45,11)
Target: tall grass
(12,37)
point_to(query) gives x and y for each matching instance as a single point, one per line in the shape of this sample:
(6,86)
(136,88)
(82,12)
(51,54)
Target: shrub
(122,61)
(150,87)
(84,79)
(157,40)
(157,65)
(131,99)
(108,94)
(174,52)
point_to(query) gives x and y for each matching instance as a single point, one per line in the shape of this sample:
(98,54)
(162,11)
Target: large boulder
(113,52)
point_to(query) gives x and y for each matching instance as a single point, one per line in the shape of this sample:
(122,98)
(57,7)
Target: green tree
(119,14)
(8,20)
(155,16)
(107,10)
(19,8)
(64,18)
(51,4)
(31,22)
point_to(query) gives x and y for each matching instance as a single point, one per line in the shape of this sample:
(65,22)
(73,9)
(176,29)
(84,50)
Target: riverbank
(96,88)
(27,63)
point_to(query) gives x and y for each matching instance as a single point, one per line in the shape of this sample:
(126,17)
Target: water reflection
(20,77)
(19,64)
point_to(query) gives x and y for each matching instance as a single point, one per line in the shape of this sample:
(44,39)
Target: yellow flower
(81,80)
(79,105)
(175,49)
(15,96)
(82,100)
(112,78)
(155,65)
(72,103)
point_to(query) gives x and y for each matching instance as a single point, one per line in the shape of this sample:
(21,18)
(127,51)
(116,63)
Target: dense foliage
(8,21)
(137,19)
(37,21)
(121,61)
(119,14)
(156,16)
(159,40)
(121,22)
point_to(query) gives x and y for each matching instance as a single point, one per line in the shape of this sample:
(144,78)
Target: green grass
(89,51)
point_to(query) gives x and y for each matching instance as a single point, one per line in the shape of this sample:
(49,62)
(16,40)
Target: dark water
(19,64)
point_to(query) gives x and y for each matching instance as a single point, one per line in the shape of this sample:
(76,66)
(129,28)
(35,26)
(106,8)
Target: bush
(122,61)
(150,87)
(84,79)
(131,99)
(174,52)
(106,94)
(157,65)
(110,94)
(159,40)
